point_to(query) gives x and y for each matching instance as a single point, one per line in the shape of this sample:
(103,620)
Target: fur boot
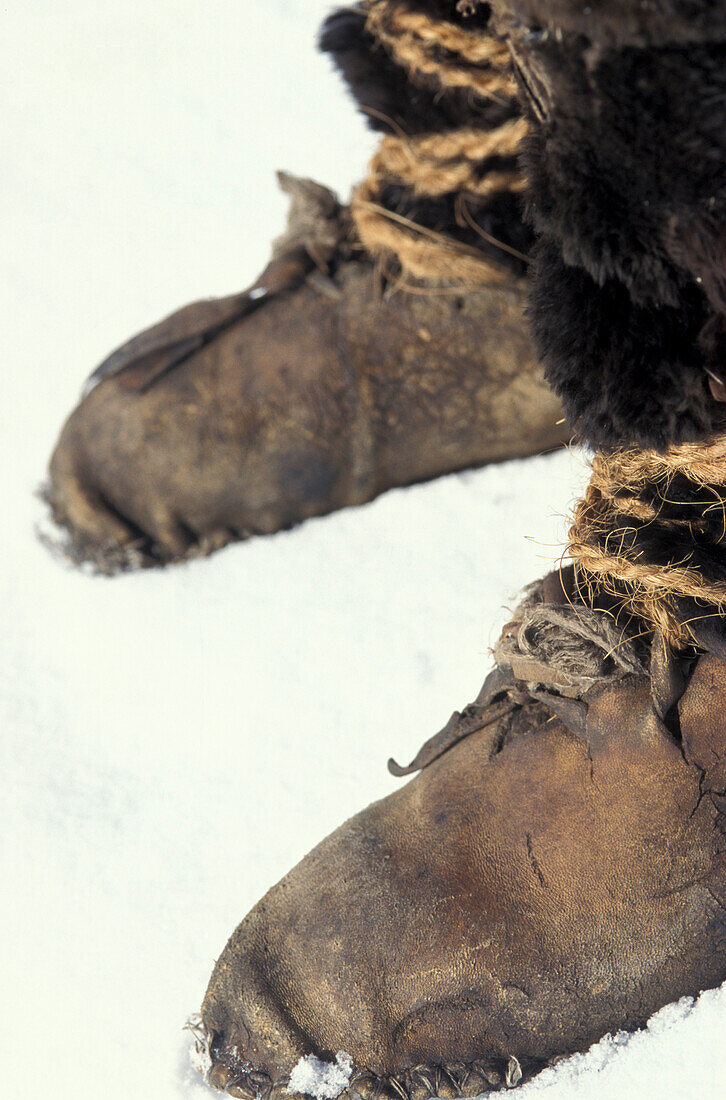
(384,344)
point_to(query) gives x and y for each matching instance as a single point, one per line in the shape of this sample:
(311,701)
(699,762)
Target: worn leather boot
(555,872)
(557,869)
(383,345)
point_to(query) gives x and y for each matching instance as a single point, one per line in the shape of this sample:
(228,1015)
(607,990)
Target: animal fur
(626,167)
(627,195)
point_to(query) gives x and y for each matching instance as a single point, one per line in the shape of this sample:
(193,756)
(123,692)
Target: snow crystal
(323,1080)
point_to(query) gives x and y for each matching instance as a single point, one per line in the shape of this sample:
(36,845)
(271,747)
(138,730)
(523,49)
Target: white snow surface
(172,742)
(323,1080)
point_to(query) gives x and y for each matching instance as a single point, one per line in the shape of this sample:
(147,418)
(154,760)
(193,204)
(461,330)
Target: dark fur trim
(626,372)
(611,23)
(627,177)
(627,174)
(632,147)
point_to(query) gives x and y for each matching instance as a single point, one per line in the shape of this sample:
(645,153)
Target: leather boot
(554,872)
(383,345)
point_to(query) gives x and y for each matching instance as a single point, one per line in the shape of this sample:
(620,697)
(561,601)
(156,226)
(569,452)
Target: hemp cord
(455,57)
(433,165)
(650,532)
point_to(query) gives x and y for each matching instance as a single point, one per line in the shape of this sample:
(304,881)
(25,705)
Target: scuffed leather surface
(313,401)
(529,891)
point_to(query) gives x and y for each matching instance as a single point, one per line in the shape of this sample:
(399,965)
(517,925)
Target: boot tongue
(668,677)
(703,729)
(317,225)
(553,651)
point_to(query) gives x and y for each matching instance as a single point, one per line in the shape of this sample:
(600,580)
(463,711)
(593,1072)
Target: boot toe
(246,436)
(529,891)
(106,525)
(368,956)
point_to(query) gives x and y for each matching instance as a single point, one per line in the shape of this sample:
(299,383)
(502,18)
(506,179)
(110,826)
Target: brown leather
(145,357)
(323,395)
(529,891)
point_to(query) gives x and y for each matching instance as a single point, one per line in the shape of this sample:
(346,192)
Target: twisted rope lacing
(615,500)
(433,165)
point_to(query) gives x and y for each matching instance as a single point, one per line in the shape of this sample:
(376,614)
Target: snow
(173,742)
(200,1056)
(322,1080)
(679,1056)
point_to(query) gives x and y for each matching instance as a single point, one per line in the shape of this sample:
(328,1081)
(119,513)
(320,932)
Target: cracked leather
(531,889)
